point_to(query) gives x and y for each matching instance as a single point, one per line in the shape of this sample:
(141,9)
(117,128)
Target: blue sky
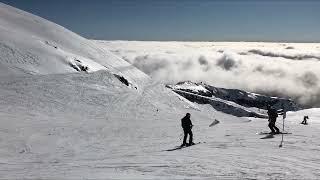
(182,20)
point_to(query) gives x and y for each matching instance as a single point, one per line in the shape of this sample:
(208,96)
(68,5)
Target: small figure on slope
(273,114)
(187,126)
(304,122)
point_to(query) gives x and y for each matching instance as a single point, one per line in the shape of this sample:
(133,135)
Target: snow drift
(57,121)
(67,103)
(32,45)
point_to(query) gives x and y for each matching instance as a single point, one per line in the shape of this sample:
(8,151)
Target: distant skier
(304,122)
(273,114)
(187,126)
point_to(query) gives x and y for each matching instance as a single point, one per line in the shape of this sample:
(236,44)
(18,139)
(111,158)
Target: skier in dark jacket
(187,126)
(273,114)
(305,120)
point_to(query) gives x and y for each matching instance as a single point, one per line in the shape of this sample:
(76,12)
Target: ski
(268,133)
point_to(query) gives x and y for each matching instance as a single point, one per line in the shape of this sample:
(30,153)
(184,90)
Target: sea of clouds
(277,69)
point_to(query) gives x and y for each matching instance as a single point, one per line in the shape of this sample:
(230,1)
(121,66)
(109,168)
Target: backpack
(274,113)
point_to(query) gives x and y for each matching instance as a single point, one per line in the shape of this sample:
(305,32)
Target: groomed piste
(71,109)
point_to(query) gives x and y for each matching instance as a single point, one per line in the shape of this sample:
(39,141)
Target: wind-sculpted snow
(61,118)
(68,121)
(31,45)
(290,70)
(92,126)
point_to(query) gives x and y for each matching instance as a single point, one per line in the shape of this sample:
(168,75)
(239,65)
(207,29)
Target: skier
(305,120)
(187,126)
(273,114)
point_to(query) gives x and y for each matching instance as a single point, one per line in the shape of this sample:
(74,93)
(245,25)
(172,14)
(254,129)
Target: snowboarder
(187,126)
(304,122)
(273,114)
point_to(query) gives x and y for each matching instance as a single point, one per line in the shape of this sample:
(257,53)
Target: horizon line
(269,41)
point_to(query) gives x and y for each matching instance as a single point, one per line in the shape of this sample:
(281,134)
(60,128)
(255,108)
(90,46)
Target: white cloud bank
(286,70)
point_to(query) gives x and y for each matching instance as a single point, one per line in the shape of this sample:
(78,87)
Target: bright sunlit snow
(71,109)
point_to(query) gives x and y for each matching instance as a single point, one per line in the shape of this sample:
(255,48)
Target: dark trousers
(273,127)
(186,132)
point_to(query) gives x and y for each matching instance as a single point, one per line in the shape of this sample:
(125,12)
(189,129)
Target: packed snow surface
(93,126)
(60,123)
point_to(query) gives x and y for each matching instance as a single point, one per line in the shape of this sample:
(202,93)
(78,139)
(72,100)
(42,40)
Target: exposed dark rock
(232,101)
(122,79)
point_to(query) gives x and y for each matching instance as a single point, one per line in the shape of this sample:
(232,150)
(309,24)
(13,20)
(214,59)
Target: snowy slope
(56,123)
(32,45)
(92,126)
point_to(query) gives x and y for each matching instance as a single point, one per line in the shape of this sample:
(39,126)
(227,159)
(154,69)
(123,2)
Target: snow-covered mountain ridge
(232,101)
(66,112)
(31,45)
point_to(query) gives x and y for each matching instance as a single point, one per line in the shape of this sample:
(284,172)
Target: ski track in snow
(58,124)
(93,126)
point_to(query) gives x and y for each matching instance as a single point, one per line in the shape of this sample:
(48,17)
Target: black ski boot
(183,145)
(190,144)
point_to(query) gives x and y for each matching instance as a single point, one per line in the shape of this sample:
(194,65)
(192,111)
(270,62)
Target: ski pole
(283,117)
(281,124)
(282,135)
